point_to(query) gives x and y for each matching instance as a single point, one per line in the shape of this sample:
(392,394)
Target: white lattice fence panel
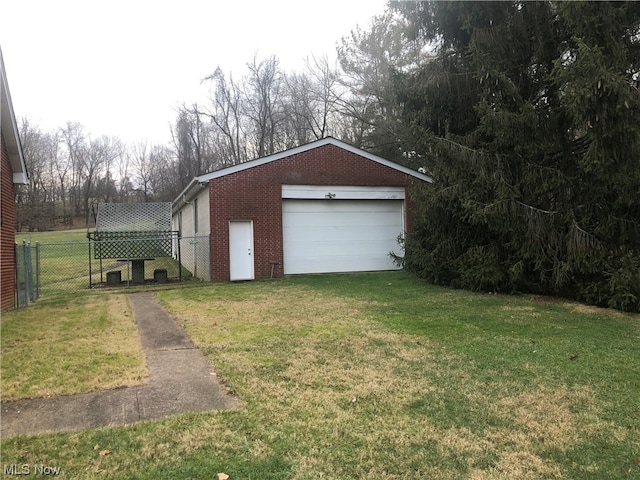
(133,230)
(134,217)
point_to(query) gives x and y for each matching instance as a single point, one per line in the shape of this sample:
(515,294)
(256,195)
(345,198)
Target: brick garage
(12,172)
(253,194)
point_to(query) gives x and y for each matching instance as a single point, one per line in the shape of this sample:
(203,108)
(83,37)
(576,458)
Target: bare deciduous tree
(141,162)
(263,90)
(97,160)
(122,169)
(71,168)
(36,200)
(369,59)
(162,178)
(191,143)
(226,115)
(310,104)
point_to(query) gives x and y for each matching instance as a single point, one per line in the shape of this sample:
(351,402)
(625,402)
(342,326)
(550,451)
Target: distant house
(13,172)
(321,207)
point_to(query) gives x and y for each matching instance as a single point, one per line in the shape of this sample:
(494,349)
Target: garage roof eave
(310,146)
(203,180)
(194,187)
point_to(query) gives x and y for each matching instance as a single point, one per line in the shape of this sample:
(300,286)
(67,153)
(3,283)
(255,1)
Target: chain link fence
(194,255)
(46,269)
(27,273)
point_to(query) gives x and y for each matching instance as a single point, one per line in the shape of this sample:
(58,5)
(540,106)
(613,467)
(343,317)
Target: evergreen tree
(529,117)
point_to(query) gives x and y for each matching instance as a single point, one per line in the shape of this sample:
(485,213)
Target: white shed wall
(194,246)
(188,218)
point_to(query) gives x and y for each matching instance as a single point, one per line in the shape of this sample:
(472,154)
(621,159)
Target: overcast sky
(121,68)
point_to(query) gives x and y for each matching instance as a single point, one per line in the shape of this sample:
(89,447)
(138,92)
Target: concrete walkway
(180,380)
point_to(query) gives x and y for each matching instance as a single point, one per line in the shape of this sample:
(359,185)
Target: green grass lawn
(72,344)
(62,236)
(383,376)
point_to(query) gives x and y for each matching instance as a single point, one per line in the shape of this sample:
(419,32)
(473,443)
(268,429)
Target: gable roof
(9,128)
(207,177)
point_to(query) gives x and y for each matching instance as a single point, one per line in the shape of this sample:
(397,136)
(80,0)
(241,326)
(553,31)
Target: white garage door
(322,236)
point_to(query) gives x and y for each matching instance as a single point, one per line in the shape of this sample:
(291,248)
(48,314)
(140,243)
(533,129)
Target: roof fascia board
(9,128)
(20,178)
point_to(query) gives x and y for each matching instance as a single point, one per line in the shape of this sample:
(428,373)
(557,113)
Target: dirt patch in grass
(590,309)
(577,307)
(522,465)
(70,345)
(546,416)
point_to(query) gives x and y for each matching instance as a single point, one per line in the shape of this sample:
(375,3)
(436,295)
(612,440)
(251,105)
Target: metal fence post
(25,271)
(16,254)
(207,257)
(179,260)
(37,270)
(29,274)
(129,264)
(90,272)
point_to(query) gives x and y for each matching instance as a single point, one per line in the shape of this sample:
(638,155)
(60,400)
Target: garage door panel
(320,206)
(321,248)
(332,220)
(347,263)
(341,232)
(322,236)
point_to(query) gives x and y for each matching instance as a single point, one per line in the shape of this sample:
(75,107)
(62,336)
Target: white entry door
(241,250)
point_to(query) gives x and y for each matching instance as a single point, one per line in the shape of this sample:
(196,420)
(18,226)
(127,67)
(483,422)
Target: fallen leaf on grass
(223,476)
(104,452)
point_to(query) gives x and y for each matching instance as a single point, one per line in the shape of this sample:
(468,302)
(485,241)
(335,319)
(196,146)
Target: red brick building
(12,172)
(322,207)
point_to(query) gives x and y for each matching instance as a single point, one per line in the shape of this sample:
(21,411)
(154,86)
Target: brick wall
(255,194)
(7,234)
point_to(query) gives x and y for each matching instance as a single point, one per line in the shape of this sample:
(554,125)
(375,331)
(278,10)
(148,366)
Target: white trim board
(342,192)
